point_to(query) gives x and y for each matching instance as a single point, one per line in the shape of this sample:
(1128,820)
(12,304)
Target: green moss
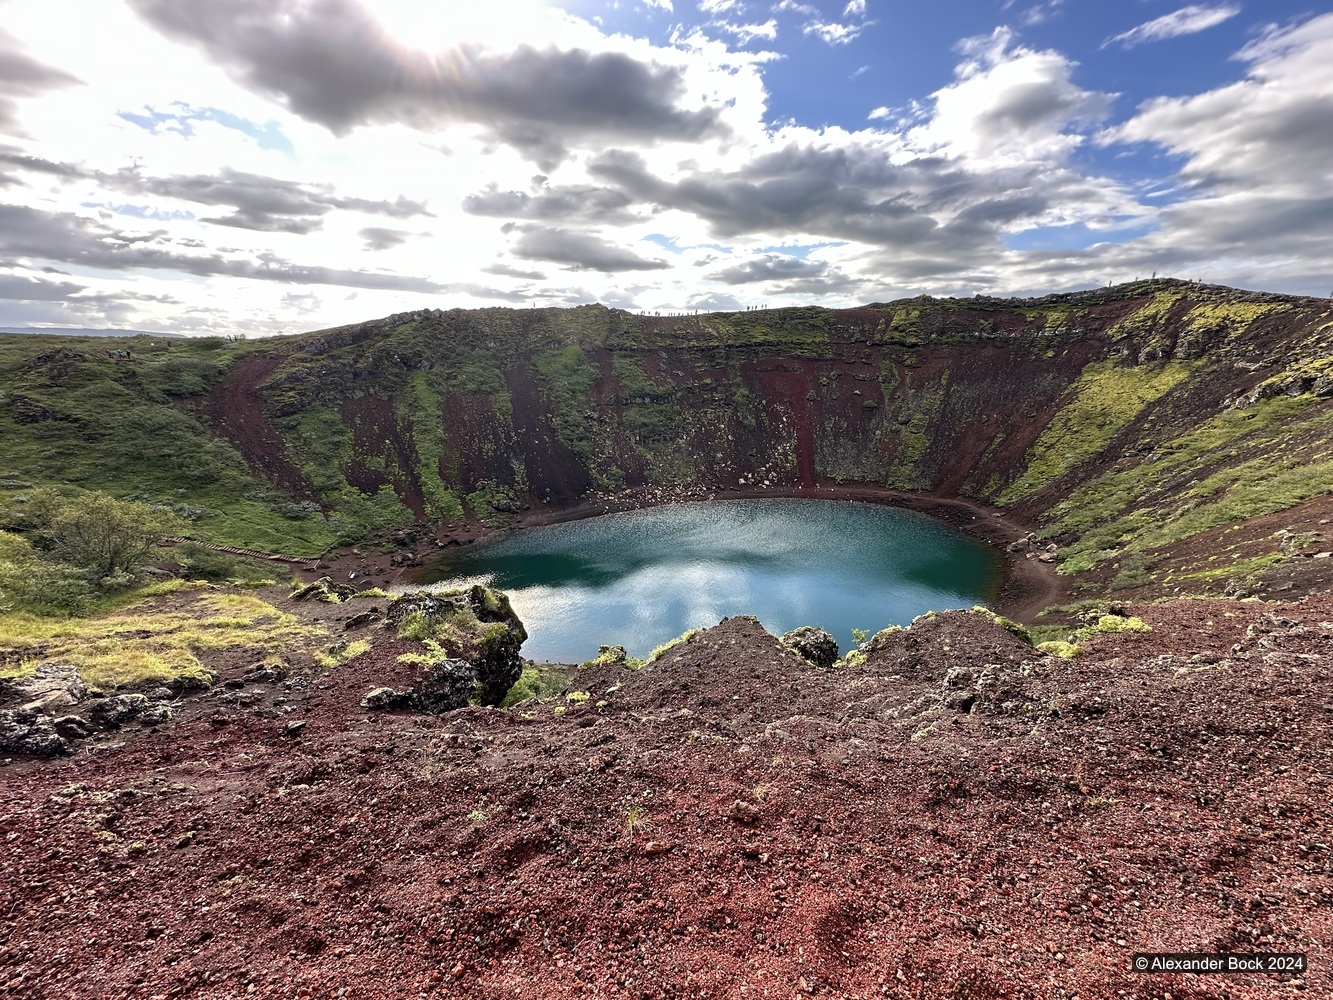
(1063,650)
(915,436)
(1111,624)
(527,686)
(425,415)
(340,653)
(1149,317)
(569,377)
(148,642)
(1104,401)
(1007,624)
(416,625)
(1181,491)
(538,680)
(1228,318)
(666,647)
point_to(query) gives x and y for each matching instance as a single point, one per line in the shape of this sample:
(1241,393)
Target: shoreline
(1028,586)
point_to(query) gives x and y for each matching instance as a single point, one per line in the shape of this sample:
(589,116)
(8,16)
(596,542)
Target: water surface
(641,578)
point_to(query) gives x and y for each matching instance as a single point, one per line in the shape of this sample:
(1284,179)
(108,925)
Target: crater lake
(641,578)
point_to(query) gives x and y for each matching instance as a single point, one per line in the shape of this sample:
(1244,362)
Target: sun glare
(431,25)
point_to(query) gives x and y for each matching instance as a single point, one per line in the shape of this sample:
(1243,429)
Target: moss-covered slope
(1125,422)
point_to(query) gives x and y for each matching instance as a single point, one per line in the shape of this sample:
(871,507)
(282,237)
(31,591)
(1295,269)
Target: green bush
(44,588)
(200,563)
(416,625)
(111,539)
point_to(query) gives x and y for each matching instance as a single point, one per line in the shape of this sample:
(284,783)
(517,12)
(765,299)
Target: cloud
(21,76)
(1186,21)
(770,267)
(474,290)
(990,156)
(331,63)
(33,233)
(1040,13)
(262,204)
(1257,160)
(584,204)
(36,289)
(714,302)
(746,33)
(509,271)
(854,8)
(580,251)
(1010,101)
(1268,135)
(848,191)
(37,164)
(719,6)
(834,33)
(377,238)
(1252,204)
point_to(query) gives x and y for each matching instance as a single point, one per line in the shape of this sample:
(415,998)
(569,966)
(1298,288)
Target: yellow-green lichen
(1104,400)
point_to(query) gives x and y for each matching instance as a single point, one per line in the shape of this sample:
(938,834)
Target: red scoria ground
(1022,837)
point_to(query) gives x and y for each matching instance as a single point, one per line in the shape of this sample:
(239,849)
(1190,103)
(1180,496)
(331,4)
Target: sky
(252,167)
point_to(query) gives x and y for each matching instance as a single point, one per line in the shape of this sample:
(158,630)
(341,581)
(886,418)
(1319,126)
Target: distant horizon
(114,332)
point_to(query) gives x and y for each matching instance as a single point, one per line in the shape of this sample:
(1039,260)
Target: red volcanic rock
(1165,791)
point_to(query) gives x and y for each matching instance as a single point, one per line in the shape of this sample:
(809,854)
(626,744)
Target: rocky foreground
(958,816)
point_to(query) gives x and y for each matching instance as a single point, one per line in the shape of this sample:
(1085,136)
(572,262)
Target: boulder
(497,662)
(119,709)
(432,606)
(155,714)
(959,689)
(813,645)
(483,637)
(72,727)
(30,733)
(324,589)
(53,684)
(448,686)
(363,619)
(263,674)
(386,699)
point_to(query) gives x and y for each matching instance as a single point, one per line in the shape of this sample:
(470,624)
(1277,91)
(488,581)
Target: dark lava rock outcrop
(813,644)
(472,640)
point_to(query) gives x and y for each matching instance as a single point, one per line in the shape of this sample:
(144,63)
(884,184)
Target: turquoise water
(642,578)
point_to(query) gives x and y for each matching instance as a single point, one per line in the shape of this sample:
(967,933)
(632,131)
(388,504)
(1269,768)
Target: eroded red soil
(960,817)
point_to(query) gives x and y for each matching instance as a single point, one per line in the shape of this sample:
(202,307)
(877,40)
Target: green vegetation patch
(569,378)
(542,681)
(123,416)
(1104,400)
(425,415)
(666,647)
(151,641)
(1182,491)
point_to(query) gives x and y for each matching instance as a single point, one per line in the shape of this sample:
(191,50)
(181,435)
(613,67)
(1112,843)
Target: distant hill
(74,331)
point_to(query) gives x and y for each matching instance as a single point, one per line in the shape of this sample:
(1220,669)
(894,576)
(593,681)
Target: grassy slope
(1173,408)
